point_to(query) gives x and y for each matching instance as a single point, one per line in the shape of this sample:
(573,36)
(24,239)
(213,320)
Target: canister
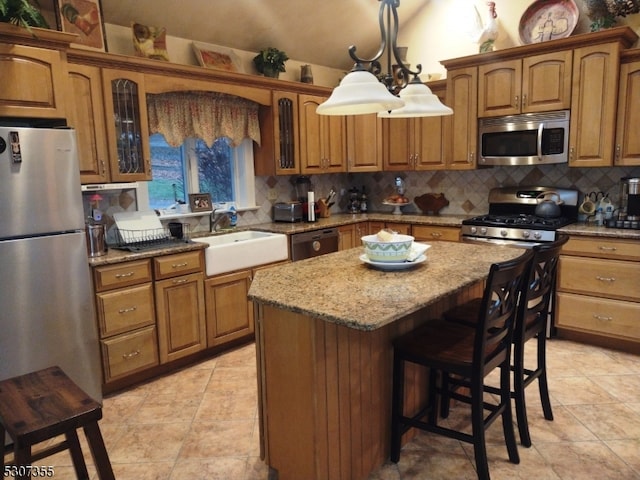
(96,241)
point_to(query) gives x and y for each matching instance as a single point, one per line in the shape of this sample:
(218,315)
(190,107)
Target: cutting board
(138,226)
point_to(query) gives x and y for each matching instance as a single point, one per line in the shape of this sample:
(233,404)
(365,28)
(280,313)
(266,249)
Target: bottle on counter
(363,201)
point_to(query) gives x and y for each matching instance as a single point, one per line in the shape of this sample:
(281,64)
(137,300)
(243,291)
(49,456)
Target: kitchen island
(323,334)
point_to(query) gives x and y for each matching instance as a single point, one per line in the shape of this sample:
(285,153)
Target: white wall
(437,32)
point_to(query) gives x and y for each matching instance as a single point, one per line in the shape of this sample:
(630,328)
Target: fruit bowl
(395,249)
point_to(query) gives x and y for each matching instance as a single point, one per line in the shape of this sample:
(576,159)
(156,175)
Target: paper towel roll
(311,206)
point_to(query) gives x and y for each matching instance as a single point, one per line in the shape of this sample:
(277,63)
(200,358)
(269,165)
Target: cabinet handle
(516,104)
(179,265)
(524,100)
(471,157)
(602,318)
(128,356)
(436,234)
(618,153)
(124,275)
(177,282)
(608,249)
(104,167)
(606,279)
(571,152)
(127,310)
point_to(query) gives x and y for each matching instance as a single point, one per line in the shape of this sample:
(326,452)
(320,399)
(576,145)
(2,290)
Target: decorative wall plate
(548,20)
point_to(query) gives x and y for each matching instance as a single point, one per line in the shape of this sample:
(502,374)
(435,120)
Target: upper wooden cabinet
(627,149)
(279,151)
(537,83)
(593,105)
(364,143)
(322,138)
(40,90)
(414,143)
(461,128)
(86,116)
(127,125)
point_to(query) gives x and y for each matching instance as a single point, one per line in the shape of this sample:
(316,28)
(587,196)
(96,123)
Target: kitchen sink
(245,249)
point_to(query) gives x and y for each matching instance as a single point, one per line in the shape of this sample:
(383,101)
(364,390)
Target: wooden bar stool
(531,322)
(42,405)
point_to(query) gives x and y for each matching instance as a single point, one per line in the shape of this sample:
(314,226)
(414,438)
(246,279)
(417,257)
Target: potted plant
(22,13)
(270,62)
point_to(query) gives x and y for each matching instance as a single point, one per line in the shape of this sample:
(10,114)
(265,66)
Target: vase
(270,72)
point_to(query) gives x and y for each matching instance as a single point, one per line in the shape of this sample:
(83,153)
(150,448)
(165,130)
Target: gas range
(512,219)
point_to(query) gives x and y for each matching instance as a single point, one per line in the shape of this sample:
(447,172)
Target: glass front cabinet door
(127,125)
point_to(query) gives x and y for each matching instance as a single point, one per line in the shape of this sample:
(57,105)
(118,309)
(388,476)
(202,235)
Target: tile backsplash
(467,191)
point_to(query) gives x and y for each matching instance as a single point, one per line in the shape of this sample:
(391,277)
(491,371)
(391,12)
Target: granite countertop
(118,256)
(341,289)
(582,229)
(339,219)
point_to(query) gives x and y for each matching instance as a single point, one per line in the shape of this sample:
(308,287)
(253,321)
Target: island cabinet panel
(40,92)
(325,391)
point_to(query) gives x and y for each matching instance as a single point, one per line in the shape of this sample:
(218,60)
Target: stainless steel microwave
(526,139)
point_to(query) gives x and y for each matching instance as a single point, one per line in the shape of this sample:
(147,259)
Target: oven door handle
(540,129)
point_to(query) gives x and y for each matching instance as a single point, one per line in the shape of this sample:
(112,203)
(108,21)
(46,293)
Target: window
(224,171)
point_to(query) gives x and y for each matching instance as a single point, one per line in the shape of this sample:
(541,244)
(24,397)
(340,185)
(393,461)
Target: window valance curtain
(204,115)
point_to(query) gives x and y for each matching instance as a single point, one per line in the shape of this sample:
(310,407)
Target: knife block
(323,209)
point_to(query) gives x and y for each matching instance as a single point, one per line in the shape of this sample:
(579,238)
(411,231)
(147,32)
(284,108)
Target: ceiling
(314,31)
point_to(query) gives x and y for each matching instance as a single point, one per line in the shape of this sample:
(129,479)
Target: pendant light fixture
(367,90)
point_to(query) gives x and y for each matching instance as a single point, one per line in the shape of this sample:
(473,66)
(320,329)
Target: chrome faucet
(216,220)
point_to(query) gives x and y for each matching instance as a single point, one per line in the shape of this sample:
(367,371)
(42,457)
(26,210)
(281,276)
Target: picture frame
(200,202)
(84,18)
(217,58)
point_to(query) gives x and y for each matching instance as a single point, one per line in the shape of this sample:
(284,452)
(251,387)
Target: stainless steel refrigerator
(47,313)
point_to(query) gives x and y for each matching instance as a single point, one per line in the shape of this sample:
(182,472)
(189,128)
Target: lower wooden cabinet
(229,312)
(349,235)
(130,353)
(428,233)
(180,316)
(598,299)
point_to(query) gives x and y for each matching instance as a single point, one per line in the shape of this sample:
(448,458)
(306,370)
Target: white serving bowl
(395,250)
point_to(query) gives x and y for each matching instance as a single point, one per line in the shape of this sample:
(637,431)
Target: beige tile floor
(201,423)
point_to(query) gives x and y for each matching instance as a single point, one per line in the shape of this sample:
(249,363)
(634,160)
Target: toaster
(287,212)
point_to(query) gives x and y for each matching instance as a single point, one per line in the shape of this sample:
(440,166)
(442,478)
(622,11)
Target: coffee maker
(629,213)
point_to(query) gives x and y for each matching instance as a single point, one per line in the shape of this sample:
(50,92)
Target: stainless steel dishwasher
(311,244)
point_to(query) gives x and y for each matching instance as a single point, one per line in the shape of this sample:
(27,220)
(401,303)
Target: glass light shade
(359,93)
(419,101)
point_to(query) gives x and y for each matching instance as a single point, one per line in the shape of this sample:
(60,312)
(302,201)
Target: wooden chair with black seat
(451,349)
(534,312)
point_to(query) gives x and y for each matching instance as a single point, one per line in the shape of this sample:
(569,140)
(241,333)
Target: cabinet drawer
(605,278)
(122,275)
(178,264)
(603,248)
(429,233)
(129,353)
(123,310)
(604,316)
